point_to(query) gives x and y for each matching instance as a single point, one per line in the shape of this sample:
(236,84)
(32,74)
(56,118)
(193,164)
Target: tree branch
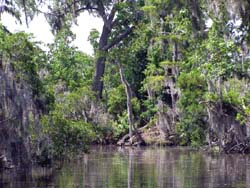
(101,11)
(118,39)
(109,21)
(112,14)
(25,12)
(85,8)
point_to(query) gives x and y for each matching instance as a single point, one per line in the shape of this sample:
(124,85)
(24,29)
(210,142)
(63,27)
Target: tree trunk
(105,45)
(99,72)
(129,99)
(97,86)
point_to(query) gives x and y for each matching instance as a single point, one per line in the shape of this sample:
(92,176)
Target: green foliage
(211,59)
(136,106)
(180,24)
(93,38)
(68,136)
(75,105)
(133,59)
(120,126)
(150,110)
(220,61)
(192,126)
(236,94)
(117,100)
(68,124)
(68,67)
(154,78)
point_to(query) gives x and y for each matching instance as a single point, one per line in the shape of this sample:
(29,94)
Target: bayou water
(112,167)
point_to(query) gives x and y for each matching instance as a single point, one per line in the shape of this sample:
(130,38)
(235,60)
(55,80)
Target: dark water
(135,168)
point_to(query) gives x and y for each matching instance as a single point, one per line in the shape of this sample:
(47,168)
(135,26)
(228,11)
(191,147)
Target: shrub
(68,137)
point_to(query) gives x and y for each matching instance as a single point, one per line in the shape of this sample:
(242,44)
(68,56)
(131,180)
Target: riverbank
(152,136)
(148,136)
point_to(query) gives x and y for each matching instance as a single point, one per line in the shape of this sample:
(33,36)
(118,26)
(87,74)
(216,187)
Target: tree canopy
(158,66)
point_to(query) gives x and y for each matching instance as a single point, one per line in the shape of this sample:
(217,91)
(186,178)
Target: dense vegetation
(175,69)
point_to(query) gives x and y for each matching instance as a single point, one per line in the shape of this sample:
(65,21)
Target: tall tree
(118,22)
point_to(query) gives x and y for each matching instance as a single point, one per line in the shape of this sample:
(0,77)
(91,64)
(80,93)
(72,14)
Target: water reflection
(135,168)
(26,178)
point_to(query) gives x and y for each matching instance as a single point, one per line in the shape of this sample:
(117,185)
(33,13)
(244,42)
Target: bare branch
(46,13)
(85,8)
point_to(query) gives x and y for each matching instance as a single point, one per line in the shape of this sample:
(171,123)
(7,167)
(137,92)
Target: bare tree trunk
(97,86)
(129,99)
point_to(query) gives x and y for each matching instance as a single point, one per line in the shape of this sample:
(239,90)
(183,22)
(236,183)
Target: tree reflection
(130,168)
(138,167)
